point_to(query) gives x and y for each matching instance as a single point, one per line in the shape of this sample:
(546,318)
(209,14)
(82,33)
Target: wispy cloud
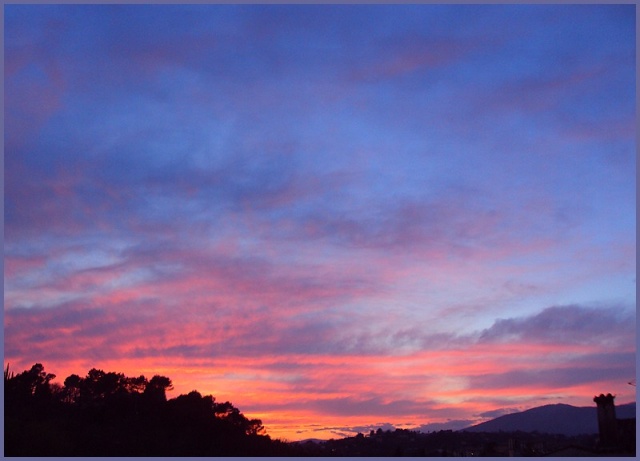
(568,324)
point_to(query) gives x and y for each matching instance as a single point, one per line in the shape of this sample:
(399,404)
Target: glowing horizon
(337,217)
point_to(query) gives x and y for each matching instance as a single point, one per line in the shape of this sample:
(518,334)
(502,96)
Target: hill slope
(552,419)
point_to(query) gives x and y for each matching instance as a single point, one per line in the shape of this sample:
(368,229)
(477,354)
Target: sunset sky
(337,217)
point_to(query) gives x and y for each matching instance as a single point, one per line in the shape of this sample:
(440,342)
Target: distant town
(551,430)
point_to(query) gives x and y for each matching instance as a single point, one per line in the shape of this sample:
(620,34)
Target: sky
(337,217)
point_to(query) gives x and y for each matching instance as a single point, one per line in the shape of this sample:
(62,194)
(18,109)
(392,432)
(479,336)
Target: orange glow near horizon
(292,409)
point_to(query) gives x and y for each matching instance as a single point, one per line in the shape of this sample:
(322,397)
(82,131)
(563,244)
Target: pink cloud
(14,266)
(197,355)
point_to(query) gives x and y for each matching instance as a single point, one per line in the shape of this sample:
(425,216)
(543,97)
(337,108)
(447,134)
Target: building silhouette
(607,422)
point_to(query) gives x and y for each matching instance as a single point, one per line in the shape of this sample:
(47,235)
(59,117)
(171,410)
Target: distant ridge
(309,441)
(552,419)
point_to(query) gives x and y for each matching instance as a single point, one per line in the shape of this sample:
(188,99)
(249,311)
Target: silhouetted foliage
(157,388)
(110,414)
(34,382)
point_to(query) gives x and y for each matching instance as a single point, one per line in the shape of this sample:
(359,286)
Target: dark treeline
(110,414)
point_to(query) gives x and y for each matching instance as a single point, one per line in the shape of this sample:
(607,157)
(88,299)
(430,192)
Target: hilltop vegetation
(110,414)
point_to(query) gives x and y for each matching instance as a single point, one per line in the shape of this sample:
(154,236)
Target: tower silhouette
(607,422)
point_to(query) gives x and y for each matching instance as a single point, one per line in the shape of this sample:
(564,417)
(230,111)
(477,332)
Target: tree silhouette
(157,388)
(110,414)
(29,383)
(72,387)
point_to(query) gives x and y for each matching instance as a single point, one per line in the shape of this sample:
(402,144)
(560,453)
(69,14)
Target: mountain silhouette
(552,419)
